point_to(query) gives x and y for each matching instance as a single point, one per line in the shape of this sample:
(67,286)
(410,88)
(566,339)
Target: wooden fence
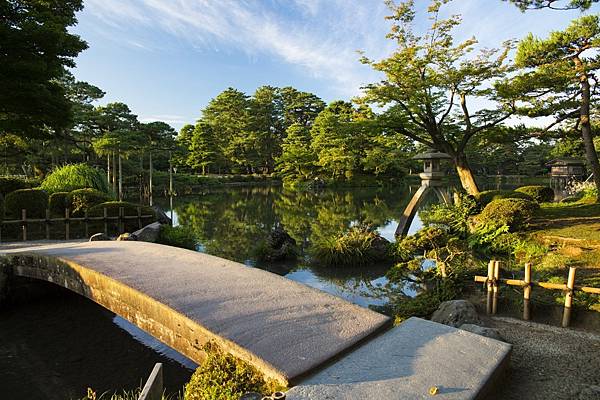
(492,281)
(67,220)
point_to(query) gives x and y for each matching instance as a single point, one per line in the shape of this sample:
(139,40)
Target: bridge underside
(186,299)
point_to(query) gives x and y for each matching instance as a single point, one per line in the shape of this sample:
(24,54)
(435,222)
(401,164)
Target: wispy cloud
(169,119)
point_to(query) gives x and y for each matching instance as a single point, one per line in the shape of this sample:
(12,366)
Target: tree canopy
(553,4)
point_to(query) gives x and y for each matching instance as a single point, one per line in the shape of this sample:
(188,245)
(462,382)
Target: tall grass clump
(75,176)
(359,246)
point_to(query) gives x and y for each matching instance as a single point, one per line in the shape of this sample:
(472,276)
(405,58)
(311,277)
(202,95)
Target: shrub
(73,177)
(514,213)
(487,196)
(83,199)
(58,202)
(454,217)
(8,185)
(541,194)
(223,377)
(35,201)
(129,209)
(359,246)
(178,236)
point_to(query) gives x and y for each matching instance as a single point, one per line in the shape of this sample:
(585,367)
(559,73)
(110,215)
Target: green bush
(541,194)
(223,377)
(178,236)
(112,209)
(75,176)
(8,185)
(359,246)
(487,196)
(58,202)
(454,217)
(35,201)
(83,199)
(514,213)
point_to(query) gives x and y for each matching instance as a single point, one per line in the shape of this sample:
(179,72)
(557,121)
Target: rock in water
(149,233)
(483,331)
(456,313)
(279,245)
(98,236)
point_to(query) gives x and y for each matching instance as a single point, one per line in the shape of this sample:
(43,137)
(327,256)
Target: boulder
(589,392)
(380,247)
(161,216)
(483,331)
(149,233)
(279,245)
(456,313)
(126,237)
(98,236)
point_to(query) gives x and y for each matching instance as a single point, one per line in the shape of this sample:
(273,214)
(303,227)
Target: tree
(158,137)
(202,147)
(266,125)
(299,107)
(553,4)
(35,47)
(430,82)
(297,159)
(557,79)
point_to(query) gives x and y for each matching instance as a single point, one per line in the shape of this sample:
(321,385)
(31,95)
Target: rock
(380,247)
(456,313)
(149,233)
(126,237)
(589,392)
(251,396)
(279,245)
(483,331)
(98,236)
(161,217)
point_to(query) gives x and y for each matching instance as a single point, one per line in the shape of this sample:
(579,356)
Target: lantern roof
(432,154)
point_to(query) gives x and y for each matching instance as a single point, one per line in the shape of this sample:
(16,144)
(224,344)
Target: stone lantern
(431,180)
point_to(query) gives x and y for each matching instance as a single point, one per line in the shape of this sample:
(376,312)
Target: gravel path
(549,362)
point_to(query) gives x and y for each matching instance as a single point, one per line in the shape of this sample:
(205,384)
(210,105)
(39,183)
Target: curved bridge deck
(185,299)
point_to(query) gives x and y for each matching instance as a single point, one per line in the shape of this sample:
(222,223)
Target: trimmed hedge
(35,201)
(8,185)
(83,199)
(541,194)
(514,213)
(487,196)
(75,176)
(58,202)
(112,209)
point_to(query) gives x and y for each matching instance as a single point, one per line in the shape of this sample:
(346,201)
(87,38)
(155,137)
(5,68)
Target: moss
(540,194)
(178,236)
(514,213)
(35,201)
(75,176)
(487,196)
(58,202)
(83,199)
(224,377)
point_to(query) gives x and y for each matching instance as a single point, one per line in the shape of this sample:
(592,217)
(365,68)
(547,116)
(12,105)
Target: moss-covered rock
(514,213)
(541,194)
(35,201)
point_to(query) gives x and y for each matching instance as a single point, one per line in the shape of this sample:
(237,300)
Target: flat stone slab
(405,362)
(282,327)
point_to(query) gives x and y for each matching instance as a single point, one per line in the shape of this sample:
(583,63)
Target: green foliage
(553,4)
(112,209)
(487,196)
(83,199)
(540,194)
(8,185)
(178,236)
(454,216)
(58,202)
(359,246)
(75,176)
(223,377)
(35,201)
(513,213)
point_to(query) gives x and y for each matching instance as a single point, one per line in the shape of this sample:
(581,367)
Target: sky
(167,59)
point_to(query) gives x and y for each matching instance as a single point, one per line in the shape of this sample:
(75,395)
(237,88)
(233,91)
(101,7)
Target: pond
(232,222)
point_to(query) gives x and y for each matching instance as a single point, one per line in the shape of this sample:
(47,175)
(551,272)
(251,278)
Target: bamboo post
(47,224)
(569,297)
(490,278)
(105,213)
(24,223)
(139,217)
(86,225)
(495,286)
(67,225)
(527,293)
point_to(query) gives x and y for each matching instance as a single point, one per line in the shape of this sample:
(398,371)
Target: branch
(449,107)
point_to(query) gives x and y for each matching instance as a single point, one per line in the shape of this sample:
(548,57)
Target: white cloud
(169,119)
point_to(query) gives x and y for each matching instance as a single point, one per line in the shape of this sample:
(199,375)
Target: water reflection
(232,222)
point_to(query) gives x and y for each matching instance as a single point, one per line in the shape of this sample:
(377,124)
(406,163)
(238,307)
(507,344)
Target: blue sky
(167,58)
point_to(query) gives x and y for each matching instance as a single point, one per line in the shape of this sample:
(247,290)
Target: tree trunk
(586,129)
(150,177)
(465,174)
(114,173)
(108,168)
(120,178)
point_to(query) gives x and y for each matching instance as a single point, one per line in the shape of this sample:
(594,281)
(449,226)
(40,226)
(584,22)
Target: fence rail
(48,221)
(492,281)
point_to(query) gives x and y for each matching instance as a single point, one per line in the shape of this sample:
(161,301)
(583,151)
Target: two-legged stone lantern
(431,180)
